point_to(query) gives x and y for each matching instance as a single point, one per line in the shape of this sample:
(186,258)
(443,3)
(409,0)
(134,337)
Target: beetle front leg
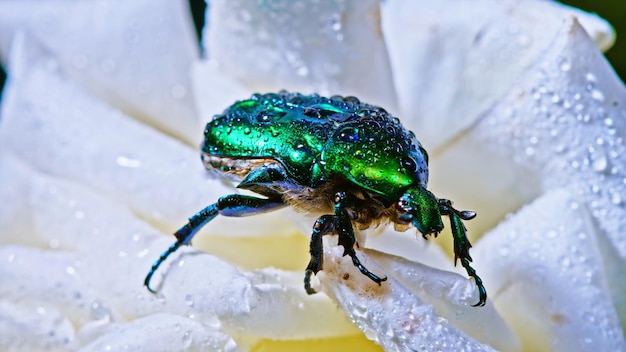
(462,244)
(235,205)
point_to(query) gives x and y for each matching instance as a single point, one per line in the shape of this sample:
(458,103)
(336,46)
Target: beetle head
(419,207)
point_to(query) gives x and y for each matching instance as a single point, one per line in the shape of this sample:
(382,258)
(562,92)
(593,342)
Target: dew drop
(564,64)
(597,95)
(600,164)
(99,311)
(189,300)
(591,77)
(143,253)
(616,198)
(302,71)
(124,161)
(187,339)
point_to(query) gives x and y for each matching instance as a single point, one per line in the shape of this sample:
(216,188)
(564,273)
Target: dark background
(612,10)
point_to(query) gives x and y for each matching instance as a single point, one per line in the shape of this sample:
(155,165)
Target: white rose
(105,104)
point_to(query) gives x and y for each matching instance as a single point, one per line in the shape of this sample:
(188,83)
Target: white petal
(409,245)
(450,66)
(214,91)
(398,314)
(328,47)
(162,332)
(26,327)
(136,55)
(106,250)
(561,125)
(550,273)
(52,124)
(566,124)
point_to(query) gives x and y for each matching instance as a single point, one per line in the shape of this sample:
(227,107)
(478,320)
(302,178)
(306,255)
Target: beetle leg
(343,225)
(462,243)
(236,205)
(323,226)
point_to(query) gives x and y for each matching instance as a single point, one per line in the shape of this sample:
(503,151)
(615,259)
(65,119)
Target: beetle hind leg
(235,205)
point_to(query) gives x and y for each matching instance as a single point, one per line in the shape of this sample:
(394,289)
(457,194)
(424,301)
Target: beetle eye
(409,165)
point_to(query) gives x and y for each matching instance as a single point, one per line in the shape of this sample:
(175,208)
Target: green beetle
(347,162)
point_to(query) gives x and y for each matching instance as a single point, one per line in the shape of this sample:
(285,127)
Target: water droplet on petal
(616,198)
(189,300)
(591,77)
(600,164)
(597,95)
(187,339)
(564,64)
(124,161)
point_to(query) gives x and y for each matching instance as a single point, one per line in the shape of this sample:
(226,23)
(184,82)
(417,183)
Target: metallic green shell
(318,139)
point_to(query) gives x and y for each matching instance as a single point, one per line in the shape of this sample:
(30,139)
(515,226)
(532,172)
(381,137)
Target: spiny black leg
(323,226)
(183,237)
(343,226)
(230,205)
(462,243)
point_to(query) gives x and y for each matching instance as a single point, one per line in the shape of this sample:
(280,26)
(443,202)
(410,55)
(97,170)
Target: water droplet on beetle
(247,131)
